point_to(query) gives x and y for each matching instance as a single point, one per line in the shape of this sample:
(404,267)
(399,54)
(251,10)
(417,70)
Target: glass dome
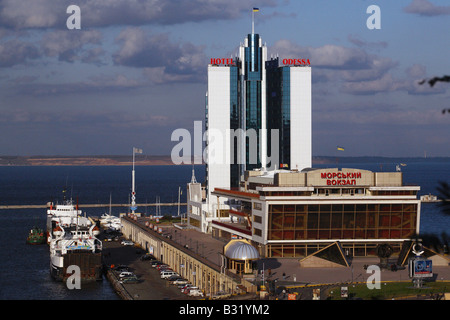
(240,250)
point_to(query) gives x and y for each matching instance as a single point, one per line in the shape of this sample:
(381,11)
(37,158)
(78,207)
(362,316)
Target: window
(257,206)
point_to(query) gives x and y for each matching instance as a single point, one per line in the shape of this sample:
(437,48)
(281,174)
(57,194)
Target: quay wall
(207,276)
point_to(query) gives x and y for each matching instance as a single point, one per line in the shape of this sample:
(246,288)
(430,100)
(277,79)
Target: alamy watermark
(373,281)
(74,280)
(74,20)
(229,146)
(374,21)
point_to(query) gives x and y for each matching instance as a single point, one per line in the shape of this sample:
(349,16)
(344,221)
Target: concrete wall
(290,179)
(391,179)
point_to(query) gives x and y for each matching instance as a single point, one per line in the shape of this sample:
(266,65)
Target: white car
(180,281)
(195,293)
(126,274)
(127,243)
(167,274)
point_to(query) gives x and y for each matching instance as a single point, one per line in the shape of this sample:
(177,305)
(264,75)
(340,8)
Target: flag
(255,9)
(340,148)
(137,150)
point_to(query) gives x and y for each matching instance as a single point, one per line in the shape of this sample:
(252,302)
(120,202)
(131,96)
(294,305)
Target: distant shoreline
(148,160)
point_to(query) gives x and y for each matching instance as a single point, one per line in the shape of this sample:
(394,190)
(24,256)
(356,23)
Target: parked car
(121,268)
(125,274)
(174,277)
(187,288)
(127,243)
(167,274)
(195,293)
(180,281)
(162,266)
(156,263)
(129,279)
(221,295)
(147,256)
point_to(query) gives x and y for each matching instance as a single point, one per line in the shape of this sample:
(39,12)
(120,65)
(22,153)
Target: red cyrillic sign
(341,178)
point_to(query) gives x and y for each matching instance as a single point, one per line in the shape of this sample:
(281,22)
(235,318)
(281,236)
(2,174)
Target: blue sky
(136,71)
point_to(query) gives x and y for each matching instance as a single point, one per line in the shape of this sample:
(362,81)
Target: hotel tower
(258,115)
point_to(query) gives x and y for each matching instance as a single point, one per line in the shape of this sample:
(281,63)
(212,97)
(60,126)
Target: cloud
(355,71)
(98,84)
(69,45)
(383,84)
(161,59)
(100,13)
(426,8)
(367,45)
(14,52)
(328,56)
(33,14)
(98,116)
(376,68)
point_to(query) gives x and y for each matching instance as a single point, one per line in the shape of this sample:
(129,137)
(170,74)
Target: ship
(36,236)
(72,239)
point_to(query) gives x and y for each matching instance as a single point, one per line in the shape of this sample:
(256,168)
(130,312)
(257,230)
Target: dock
(95,205)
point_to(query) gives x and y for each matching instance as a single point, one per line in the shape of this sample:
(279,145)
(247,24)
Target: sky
(136,70)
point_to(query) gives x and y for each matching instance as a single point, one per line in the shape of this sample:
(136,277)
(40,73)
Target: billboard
(420,268)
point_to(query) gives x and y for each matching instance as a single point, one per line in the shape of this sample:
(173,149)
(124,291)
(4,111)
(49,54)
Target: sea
(24,269)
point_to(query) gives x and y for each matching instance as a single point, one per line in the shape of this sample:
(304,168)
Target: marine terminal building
(289,213)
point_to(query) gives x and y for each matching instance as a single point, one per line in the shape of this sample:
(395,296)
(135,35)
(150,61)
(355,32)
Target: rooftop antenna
(193,180)
(253,19)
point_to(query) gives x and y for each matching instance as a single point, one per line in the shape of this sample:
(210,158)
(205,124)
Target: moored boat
(36,236)
(73,241)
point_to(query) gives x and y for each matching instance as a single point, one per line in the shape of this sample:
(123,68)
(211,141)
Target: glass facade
(279,109)
(252,82)
(341,221)
(235,123)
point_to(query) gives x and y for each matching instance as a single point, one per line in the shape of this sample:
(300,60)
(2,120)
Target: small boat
(36,236)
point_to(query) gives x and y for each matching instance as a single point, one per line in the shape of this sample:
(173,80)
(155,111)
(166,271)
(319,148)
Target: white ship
(110,222)
(73,241)
(60,214)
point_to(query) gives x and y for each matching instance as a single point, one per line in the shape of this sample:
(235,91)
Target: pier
(95,205)
(200,261)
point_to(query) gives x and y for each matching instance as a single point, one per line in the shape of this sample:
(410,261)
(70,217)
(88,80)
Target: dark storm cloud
(98,13)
